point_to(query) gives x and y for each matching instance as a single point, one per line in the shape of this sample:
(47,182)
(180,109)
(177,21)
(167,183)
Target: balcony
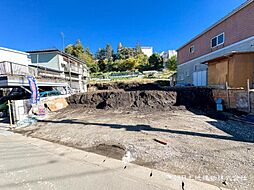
(73,69)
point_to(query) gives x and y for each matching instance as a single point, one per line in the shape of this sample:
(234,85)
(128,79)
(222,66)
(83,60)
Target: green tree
(155,62)
(89,60)
(138,49)
(126,65)
(69,49)
(79,50)
(125,53)
(86,55)
(102,65)
(101,54)
(109,51)
(142,62)
(94,67)
(171,63)
(76,50)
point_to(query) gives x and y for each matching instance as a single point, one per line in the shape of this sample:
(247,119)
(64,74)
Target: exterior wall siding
(238,27)
(238,30)
(14,56)
(195,64)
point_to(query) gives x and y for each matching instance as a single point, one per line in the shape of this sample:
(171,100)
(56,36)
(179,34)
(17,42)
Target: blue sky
(163,24)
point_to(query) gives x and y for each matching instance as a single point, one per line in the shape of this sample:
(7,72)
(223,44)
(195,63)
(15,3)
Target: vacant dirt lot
(218,152)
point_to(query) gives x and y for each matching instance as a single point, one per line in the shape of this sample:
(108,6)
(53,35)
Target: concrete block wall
(235,99)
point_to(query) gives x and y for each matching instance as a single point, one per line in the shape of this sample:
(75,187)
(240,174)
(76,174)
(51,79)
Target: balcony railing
(9,68)
(16,69)
(74,69)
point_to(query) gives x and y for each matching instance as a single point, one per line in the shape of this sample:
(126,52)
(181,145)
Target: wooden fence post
(228,98)
(10,114)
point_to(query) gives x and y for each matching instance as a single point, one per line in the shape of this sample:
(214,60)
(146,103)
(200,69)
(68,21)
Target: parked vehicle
(15,94)
(50,93)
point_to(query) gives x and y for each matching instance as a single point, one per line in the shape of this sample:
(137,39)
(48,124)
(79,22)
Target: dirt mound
(140,100)
(194,97)
(189,96)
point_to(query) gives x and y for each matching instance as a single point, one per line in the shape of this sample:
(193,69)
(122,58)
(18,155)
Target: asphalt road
(27,163)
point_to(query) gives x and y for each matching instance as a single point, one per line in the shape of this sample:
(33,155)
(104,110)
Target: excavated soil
(119,99)
(156,96)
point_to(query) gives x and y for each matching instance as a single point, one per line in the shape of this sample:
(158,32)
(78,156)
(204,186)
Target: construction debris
(160,141)
(56,104)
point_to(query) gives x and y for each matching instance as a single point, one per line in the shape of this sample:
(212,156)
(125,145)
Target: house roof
(14,51)
(44,50)
(220,21)
(227,55)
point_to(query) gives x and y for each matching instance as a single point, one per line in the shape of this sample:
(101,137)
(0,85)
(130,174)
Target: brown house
(233,33)
(233,70)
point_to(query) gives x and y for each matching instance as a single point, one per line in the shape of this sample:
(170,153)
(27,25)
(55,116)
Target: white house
(147,51)
(167,54)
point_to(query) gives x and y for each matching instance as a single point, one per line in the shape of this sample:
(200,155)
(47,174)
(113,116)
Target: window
(221,39)
(217,40)
(214,42)
(192,49)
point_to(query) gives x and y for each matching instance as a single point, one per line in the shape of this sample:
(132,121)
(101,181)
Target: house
(166,55)
(53,63)
(52,69)
(12,61)
(233,33)
(15,68)
(148,51)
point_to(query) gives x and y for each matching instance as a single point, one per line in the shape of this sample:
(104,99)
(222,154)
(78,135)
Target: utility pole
(62,34)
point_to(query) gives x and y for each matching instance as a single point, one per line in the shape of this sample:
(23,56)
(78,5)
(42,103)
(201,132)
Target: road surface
(27,163)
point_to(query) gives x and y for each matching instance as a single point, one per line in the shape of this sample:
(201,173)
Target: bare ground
(217,152)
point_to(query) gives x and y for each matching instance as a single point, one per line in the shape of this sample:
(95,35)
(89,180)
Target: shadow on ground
(242,133)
